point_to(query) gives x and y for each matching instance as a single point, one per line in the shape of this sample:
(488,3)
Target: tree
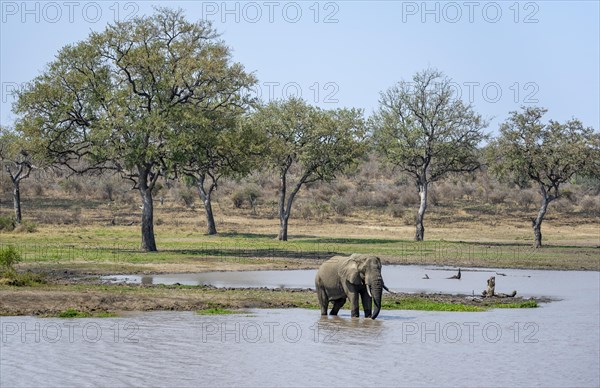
(317,144)
(546,154)
(16,159)
(220,145)
(422,129)
(116,100)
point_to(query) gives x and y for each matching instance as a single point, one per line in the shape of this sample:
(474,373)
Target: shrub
(320,210)
(446,192)
(108,190)
(9,256)
(38,189)
(71,186)
(564,205)
(7,223)
(397,211)
(238,198)
(497,196)
(249,193)
(525,198)
(433,198)
(26,227)
(408,218)
(304,211)
(341,206)
(407,198)
(24,279)
(590,204)
(187,196)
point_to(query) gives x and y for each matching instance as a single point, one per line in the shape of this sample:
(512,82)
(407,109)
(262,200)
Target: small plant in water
(73,313)
(528,304)
(216,311)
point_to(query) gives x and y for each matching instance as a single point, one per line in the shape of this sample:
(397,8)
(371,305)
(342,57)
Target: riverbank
(100,299)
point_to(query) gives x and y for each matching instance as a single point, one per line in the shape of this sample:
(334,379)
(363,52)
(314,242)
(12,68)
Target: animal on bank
(354,277)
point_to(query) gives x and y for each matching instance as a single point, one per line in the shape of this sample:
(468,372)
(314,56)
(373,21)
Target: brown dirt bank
(51,299)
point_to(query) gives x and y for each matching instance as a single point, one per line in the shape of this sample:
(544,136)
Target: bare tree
(16,160)
(425,131)
(317,143)
(545,154)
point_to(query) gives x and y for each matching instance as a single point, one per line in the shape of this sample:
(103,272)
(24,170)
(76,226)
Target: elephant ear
(348,270)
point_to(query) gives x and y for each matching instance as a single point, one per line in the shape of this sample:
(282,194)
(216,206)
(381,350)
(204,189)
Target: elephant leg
(354,310)
(337,305)
(367,303)
(323,300)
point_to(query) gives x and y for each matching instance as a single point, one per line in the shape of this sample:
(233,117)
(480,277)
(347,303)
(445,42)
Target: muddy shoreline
(51,299)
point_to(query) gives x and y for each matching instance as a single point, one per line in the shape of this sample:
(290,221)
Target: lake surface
(402,278)
(557,344)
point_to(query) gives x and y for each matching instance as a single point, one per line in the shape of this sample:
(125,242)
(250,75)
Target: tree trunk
(17,200)
(285,204)
(283,228)
(420,232)
(148,242)
(206,196)
(537,222)
(283,217)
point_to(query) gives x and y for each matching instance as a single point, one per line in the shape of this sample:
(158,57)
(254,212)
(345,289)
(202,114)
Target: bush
(250,193)
(38,189)
(397,211)
(497,196)
(71,186)
(7,223)
(304,211)
(446,193)
(408,198)
(433,198)
(187,196)
(9,256)
(590,204)
(525,198)
(341,206)
(238,198)
(563,205)
(108,190)
(26,227)
(24,279)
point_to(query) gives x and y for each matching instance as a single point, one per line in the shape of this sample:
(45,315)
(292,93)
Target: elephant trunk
(376,292)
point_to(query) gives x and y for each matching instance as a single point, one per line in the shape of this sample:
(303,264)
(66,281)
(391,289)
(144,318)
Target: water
(407,278)
(555,345)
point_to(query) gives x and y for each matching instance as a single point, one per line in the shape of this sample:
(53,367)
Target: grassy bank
(85,300)
(115,249)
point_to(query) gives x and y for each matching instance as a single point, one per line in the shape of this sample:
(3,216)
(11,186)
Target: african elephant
(348,277)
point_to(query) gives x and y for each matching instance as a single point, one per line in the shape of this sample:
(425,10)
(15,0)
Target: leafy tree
(116,100)
(219,145)
(423,130)
(317,144)
(16,159)
(546,154)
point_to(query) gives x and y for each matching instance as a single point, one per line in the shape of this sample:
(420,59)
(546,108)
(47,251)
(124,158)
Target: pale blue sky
(343,53)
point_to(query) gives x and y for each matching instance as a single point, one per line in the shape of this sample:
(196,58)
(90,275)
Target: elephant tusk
(387,289)
(369,290)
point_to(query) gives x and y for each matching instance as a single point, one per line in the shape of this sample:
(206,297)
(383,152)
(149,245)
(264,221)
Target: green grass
(73,313)
(119,245)
(528,304)
(423,304)
(217,311)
